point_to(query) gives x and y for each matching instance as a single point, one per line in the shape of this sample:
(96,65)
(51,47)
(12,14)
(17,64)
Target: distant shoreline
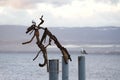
(57,52)
(95,40)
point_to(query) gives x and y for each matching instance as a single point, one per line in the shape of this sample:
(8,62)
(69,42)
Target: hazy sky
(66,13)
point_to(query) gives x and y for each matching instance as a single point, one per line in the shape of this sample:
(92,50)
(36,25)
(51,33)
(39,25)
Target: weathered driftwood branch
(41,45)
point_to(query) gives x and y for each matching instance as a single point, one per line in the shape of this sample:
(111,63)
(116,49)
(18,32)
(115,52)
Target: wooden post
(53,69)
(65,70)
(81,67)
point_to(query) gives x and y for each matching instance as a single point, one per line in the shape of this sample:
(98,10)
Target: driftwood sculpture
(41,44)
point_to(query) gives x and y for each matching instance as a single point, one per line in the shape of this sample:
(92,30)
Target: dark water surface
(19,66)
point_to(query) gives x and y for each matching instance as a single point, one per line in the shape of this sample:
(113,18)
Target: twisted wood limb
(62,49)
(29,41)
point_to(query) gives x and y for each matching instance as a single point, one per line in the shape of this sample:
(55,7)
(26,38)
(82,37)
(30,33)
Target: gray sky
(68,13)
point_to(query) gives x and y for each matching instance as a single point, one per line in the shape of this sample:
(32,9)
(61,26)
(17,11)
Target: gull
(83,51)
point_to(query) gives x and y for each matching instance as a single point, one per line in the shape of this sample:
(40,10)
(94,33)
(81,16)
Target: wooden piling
(81,67)
(53,69)
(65,70)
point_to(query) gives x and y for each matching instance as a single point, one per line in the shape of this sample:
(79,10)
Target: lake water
(19,66)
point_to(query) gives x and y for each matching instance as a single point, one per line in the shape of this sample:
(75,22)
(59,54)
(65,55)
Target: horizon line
(62,26)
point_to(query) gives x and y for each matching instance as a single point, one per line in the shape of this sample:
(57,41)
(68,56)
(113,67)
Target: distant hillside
(11,36)
(88,35)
